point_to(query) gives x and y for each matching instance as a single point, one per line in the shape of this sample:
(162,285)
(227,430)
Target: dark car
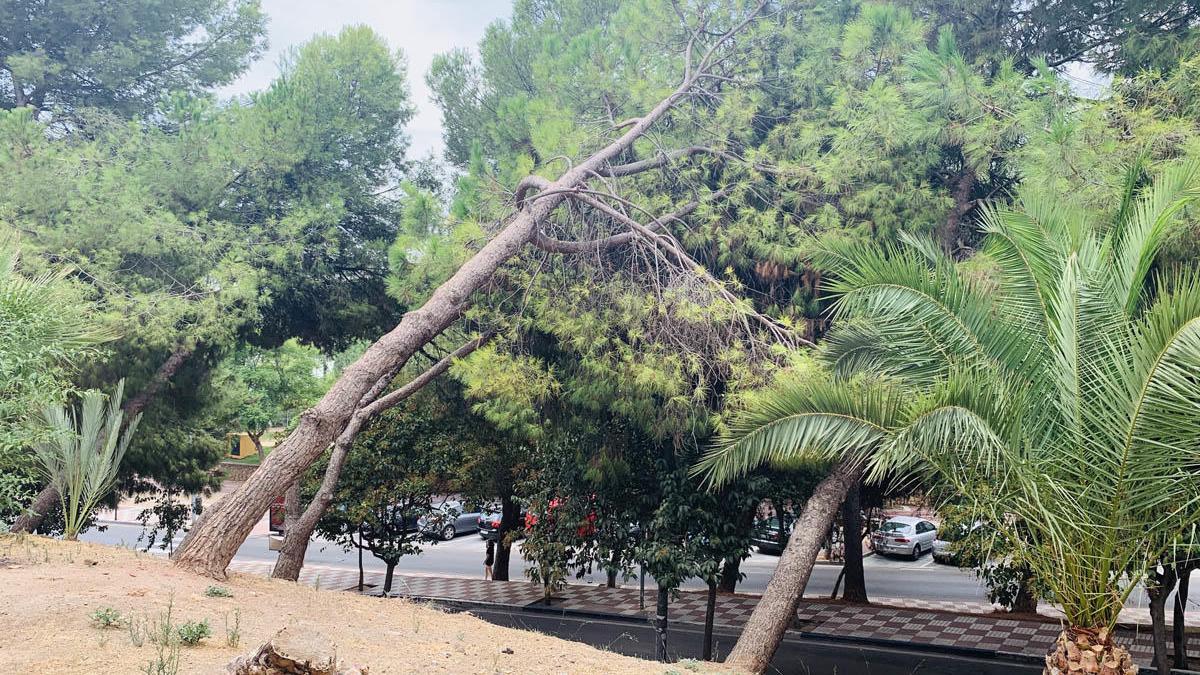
(449,519)
(766,535)
(489,523)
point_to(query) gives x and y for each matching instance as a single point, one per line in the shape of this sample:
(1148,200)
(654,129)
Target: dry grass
(50,590)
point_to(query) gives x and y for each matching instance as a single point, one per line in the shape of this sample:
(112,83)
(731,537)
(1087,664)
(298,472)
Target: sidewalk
(966,627)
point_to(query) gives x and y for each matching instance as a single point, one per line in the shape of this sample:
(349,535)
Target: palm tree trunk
(777,608)
(1076,651)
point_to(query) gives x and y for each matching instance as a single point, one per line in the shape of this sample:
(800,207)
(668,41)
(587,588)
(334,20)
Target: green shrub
(191,633)
(106,617)
(218,592)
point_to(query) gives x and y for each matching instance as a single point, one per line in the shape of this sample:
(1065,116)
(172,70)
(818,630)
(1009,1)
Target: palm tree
(82,456)
(1056,392)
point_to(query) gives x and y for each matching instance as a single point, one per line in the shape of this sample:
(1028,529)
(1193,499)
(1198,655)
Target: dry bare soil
(50,589)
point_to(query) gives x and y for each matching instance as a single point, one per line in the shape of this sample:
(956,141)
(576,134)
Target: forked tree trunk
(776,610)
(1079,650)
(209,547)
(856,580)
(48,498)
(298,533)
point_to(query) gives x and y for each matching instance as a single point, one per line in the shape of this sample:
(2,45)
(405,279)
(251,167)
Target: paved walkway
(966,626)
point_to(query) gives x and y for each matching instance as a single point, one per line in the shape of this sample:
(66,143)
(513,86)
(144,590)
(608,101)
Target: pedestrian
(489,558)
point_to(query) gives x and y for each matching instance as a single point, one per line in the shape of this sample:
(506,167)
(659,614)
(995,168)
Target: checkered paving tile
(945,624)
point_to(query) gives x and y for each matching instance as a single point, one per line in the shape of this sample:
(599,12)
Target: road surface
(463,556)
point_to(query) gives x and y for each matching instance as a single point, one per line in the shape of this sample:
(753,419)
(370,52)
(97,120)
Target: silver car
(904,535)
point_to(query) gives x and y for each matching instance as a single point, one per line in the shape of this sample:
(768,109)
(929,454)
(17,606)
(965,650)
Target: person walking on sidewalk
(488,559)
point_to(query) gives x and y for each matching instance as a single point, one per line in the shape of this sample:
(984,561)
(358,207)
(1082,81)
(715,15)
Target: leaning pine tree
(1058,393)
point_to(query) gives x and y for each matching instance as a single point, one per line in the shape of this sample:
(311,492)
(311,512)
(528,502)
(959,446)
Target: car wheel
(447,533)
(916,553)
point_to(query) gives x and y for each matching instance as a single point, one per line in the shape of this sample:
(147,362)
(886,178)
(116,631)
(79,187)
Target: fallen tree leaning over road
(210,546)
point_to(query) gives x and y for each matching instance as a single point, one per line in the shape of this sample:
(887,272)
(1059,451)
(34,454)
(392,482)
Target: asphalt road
(463,556)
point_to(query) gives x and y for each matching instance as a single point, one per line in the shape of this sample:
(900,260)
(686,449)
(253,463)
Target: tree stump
(294,651)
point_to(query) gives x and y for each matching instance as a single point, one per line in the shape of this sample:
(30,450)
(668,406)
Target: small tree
(82,457)
(391,478)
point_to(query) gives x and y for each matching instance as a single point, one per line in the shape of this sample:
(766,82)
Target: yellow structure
(240,445)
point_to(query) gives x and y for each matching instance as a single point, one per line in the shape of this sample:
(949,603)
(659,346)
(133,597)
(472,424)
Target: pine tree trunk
(710,611)
(298,533)
(1074,653)
(1179,627)
(777,609)
(856,580)
(209,547)
(509,514)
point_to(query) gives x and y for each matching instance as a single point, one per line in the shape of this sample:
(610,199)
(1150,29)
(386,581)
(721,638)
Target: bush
(218,592)
(191,633)
(106,617)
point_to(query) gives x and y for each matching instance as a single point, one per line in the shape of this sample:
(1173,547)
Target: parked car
(943,552)
(450,519)
(489,522)
(904,535)
(766,535)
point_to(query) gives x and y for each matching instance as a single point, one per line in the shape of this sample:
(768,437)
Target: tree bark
(730,571)
(208,548)
(297,535)
(1026,601)
(732,566)
(509,514)
(1158,592)
(660,624)
(291,506)
(48,498)
(856,581)
(710,611)
(1179,628)
(387,578)
(777,609)
(961,191)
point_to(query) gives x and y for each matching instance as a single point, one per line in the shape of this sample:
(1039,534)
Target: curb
(793,635)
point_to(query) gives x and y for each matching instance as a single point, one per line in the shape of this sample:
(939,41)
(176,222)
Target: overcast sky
(420,28)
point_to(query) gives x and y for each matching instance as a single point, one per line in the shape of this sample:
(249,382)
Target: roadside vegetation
(682,273)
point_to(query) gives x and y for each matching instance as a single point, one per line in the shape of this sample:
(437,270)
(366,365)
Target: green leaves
(1058,402)
(85,451)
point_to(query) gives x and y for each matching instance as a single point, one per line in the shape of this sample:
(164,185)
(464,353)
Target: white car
(904,535)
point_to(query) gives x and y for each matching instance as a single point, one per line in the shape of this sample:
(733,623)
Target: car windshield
(893,526)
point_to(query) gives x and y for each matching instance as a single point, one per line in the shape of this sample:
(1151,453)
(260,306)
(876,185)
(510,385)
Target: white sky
(419,28)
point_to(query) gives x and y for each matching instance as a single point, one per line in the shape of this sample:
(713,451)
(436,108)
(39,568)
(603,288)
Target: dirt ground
(50,589)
